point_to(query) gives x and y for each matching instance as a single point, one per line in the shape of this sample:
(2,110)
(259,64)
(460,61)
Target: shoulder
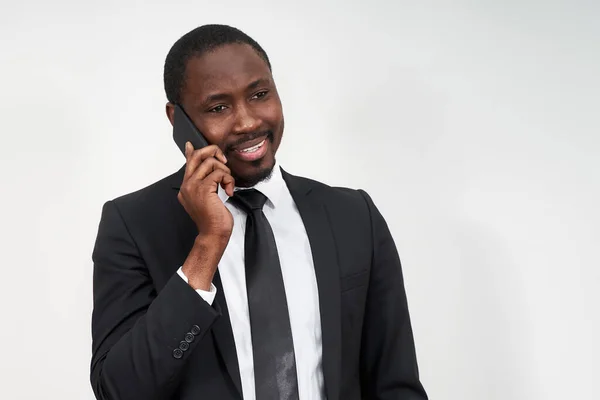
(150,198)
(338,197)
(351,212)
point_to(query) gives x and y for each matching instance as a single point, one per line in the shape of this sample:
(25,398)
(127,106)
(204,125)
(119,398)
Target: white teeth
(253,148)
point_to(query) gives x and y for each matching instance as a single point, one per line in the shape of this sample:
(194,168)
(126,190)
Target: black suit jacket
(143,309)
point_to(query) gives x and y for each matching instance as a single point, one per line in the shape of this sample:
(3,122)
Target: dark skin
(231,97)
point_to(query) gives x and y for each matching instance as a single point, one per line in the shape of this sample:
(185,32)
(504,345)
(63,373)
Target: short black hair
(195,43)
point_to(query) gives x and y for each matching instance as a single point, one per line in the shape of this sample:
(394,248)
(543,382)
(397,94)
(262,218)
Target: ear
(170,109)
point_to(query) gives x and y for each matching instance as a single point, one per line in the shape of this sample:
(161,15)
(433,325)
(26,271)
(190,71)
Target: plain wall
(473,125)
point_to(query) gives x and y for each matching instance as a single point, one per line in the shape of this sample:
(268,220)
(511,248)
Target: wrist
(202,261)
(211,244)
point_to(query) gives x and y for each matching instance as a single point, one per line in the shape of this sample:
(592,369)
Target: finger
(206,167)
(218,154)
(188,148)
(210,151)
(196,157)
(228,185)
(218,177)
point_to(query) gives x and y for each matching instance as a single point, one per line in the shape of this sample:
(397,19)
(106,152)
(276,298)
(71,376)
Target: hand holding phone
(205,170)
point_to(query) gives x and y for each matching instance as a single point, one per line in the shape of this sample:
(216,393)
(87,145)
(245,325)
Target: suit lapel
(221,331)
(316,221)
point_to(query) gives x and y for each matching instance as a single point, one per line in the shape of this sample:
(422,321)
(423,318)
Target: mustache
(248,137)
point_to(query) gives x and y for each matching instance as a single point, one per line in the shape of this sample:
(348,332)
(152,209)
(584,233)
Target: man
(233,279)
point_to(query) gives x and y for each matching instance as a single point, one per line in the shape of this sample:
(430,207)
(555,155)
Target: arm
(388,361)
(136,332)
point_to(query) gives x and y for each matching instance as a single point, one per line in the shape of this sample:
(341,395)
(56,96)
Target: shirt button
(184,346)
(177,353)
(195,330)
(189,337)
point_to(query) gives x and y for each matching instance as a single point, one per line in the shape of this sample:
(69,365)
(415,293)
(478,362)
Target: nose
(245,120)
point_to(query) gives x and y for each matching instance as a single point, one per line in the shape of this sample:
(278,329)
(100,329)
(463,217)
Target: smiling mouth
(250,143)
(254,148)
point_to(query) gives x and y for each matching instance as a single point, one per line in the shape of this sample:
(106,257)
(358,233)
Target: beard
(249,181)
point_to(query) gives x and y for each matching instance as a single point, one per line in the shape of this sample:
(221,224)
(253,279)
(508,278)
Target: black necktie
(272,345)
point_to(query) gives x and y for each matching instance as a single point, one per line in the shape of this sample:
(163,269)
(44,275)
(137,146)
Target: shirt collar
(270,187)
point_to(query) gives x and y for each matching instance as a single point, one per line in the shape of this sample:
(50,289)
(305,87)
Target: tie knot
(249,199)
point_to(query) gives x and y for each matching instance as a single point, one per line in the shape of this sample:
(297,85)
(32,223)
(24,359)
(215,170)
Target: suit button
(195,330)
(184,346)
(177,353)
(189,337)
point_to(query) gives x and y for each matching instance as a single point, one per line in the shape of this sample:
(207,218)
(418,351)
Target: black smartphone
(184,131)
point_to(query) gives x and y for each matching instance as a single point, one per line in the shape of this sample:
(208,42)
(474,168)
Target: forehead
(224,69)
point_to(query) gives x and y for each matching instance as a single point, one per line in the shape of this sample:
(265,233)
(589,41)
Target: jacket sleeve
(141,339)
(388,361)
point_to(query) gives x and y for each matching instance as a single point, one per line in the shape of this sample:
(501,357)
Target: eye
(217,109)
(260,94)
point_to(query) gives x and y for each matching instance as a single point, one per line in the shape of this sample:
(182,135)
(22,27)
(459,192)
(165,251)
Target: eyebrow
(257,83)
(222,96)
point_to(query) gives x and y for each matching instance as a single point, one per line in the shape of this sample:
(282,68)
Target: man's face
(230,95)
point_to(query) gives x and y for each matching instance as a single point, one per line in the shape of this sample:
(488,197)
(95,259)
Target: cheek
(273,115)
(215,131)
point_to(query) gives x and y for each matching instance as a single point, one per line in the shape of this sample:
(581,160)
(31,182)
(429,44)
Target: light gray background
(474,125)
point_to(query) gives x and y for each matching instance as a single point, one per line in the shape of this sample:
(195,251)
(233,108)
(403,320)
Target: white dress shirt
(299,281)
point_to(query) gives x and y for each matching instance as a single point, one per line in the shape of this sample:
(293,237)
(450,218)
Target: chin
(258,171)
